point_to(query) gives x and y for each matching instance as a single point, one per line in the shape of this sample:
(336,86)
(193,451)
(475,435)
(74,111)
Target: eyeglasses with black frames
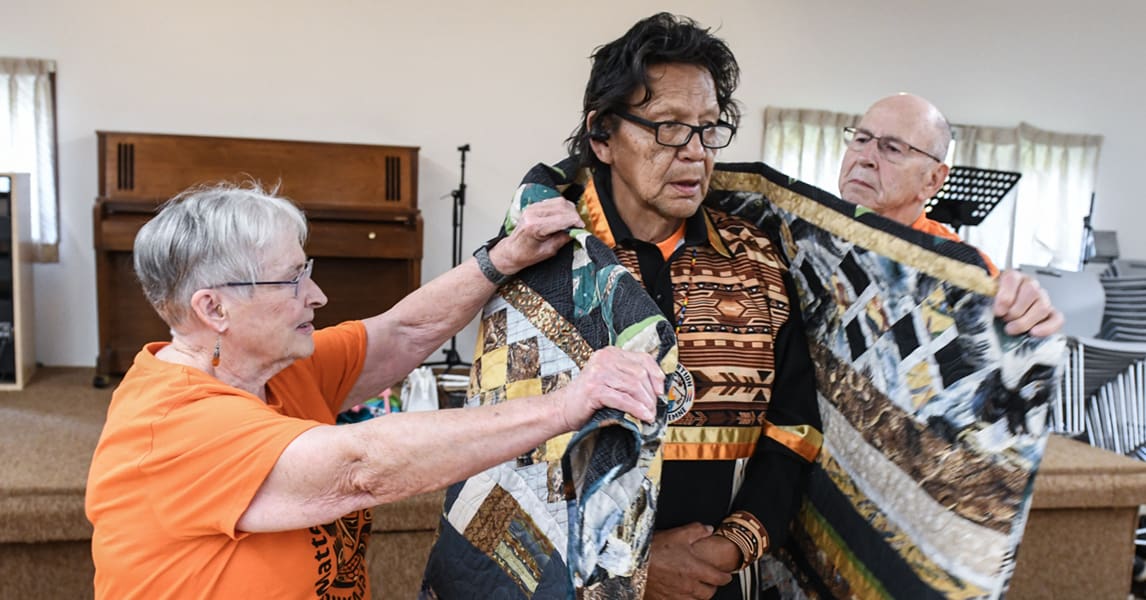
(675,134)
(307,269)
(891,149)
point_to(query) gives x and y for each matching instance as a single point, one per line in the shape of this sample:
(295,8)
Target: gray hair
(206,236)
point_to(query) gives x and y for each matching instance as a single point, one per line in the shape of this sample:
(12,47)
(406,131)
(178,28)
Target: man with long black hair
(658,106)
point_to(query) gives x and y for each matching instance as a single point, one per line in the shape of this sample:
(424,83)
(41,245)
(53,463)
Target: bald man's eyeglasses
(892,149)
(675,134)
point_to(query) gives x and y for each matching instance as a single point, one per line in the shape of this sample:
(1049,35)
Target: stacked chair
(1103,396)
(1124,319)
(1114,384)
(1102,399)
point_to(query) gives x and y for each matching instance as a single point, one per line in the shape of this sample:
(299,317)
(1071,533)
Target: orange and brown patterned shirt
(752,428)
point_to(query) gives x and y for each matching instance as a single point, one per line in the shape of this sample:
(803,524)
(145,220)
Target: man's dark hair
(621,67)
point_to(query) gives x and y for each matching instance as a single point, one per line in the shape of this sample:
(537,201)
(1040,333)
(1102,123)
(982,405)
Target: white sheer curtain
(990,148)
(1059,173)
(28,143)
(1040,222)
(806,144)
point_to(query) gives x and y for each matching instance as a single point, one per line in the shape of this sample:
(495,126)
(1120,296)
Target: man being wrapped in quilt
(743,416)
(735,452)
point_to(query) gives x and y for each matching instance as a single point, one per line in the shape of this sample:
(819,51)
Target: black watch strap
(486,265)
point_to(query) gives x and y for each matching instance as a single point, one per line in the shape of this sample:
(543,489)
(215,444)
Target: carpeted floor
(48,432)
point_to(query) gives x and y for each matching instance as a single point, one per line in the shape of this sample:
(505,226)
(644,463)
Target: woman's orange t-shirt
(179,460)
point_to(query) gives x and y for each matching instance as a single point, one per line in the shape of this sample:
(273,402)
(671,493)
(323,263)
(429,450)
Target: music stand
(969,195)
(453,359)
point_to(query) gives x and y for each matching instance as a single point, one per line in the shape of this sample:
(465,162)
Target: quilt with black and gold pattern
(573,518)
(933,417)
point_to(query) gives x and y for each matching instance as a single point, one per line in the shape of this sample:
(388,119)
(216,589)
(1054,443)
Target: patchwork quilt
(933,417)
(572,518)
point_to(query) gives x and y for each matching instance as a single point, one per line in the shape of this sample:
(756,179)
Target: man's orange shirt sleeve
(938,229)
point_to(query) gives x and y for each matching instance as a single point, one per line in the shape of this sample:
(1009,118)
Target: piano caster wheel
(101,381)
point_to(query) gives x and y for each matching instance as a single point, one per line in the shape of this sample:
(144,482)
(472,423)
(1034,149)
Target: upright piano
(361,203)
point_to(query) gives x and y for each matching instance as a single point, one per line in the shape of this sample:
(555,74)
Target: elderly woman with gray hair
(219,473)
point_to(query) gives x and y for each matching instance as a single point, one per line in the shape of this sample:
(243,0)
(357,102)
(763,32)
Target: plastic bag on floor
(420,390)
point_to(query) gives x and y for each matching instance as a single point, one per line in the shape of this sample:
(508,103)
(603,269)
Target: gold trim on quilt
(944,268)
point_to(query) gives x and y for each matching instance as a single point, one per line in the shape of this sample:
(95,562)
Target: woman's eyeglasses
(307,269)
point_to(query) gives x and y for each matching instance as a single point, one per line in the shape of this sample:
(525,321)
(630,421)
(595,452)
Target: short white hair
(206,236)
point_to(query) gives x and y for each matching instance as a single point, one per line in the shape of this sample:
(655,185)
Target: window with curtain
(807,144)
(1040,222)
(28,143)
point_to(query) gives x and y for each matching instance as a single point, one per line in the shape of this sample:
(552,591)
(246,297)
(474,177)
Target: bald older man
(894,164)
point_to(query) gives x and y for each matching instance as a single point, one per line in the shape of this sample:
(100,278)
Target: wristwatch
(486,265)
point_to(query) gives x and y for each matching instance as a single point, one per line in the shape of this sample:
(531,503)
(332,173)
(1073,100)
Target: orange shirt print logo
(340,557)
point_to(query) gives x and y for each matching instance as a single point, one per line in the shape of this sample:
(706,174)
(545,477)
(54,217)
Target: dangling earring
(215,357)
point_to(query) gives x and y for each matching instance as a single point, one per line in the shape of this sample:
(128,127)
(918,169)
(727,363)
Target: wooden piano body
(360,201)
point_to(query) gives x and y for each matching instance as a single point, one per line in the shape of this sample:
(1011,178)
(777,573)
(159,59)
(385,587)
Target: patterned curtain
(28,143)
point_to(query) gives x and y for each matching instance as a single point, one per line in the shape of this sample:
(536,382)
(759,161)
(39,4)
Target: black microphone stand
(453,359)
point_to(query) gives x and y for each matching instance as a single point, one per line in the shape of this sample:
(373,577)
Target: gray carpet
(48,432)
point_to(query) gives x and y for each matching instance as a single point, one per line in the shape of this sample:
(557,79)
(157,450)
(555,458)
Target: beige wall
(507,76)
